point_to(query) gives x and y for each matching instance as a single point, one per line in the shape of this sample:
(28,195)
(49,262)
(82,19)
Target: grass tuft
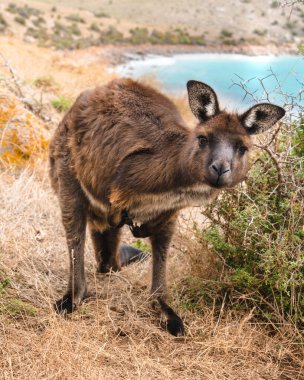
(62,103)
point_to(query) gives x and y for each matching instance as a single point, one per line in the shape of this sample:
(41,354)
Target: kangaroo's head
(221,141)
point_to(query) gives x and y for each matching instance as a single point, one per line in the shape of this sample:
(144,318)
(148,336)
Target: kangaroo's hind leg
(160,240)
(73,209)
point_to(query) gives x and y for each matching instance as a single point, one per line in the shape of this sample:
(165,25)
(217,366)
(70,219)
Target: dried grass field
(113,335)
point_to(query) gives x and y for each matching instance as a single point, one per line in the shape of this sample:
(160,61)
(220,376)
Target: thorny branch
(294,106)
(291,3)
(13,76)
(35,106)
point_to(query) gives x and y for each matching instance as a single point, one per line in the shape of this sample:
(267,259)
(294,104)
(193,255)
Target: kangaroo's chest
(148,206)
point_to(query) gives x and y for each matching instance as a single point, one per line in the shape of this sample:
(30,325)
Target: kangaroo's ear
(261,117)
(202,100)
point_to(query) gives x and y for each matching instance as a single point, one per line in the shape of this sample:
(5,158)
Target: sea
(239,80)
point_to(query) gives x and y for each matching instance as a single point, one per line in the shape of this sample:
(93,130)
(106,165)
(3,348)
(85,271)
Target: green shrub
(3,23)
(139,36)
(290,25)
(74,29)
(111,35)
(45,82)
(38,21)
(11,8)
(75,18)
(4,284)
(63,37)
(226,34)
(260,33)
(82,43)
(20,20)
(141,245)
(61,103)
(14,307)
(94,27)
(257,231)
(100,14)
(40,33)
(23,11)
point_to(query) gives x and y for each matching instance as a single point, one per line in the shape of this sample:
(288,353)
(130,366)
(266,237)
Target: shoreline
(123,53)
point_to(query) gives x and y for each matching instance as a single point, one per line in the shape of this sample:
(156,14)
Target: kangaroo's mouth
(219,183)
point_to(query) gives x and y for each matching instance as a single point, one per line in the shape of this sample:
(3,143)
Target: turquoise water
(220,71)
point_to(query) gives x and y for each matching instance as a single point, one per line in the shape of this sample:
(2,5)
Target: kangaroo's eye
(203,141)
(243,150)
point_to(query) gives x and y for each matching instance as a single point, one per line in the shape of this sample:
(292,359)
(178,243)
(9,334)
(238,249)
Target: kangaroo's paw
(65,305)
(174,324)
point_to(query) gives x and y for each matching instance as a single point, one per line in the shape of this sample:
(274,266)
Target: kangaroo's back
(110,123)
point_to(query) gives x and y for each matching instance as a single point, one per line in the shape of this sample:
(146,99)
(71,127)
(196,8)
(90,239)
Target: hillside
(71,25)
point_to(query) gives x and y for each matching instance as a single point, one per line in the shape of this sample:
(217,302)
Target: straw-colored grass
(113,334)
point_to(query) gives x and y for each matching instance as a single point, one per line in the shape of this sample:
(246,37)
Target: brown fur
(124,147)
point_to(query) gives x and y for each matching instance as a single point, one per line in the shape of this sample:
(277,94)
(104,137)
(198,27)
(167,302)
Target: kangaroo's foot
(67,304)
(174,323)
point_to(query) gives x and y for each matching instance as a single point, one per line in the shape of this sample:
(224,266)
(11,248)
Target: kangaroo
(123,155)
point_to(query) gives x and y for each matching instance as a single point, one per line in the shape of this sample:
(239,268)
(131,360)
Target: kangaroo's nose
(219,168)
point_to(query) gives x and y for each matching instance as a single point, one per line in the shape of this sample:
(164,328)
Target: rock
(23,136)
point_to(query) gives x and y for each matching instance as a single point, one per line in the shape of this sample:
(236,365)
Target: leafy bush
(139,36)
(23,11)
(15,307)
(94,27)
(275,4)
(20,20)
(38,33)
(75,18)
(3,23)
(257,231)
(11,8)
(226,34)
(260,32)
(176,37)
(101,14)
(45,82)
(63,37)
(141,245)
(74,29)
(111,35)
(38,21)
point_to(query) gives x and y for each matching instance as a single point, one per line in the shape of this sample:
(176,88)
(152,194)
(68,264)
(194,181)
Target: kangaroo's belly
(148,206)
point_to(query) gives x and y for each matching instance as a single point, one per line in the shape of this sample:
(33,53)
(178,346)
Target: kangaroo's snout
(219,172)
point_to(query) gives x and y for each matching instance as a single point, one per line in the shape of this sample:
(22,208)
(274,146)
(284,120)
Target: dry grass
(113,335)
(70,72)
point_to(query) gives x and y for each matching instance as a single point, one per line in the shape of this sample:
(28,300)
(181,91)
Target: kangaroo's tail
(129,255)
